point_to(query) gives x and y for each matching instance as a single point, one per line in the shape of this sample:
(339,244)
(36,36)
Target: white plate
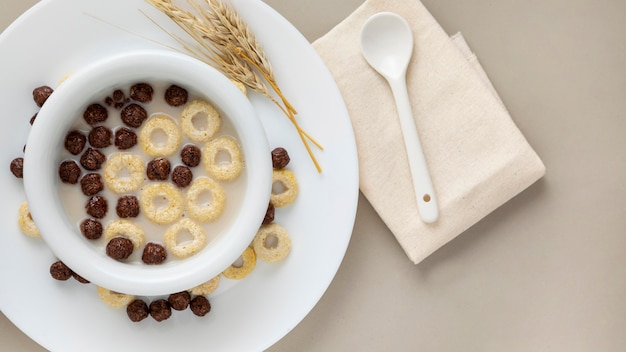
(58,36)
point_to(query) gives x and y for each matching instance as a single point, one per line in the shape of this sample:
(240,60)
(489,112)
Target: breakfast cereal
(206,287)
(91,184)
(179,300)
(69,172)
(119,248)
(163,123)
(271,252)
(248,259)
(160,310)
(200,306)
(92,159)
(25,221)
(17,167)
(289,184)
(97,206)
(133,115)
(75,142)
(223,170)
(128,162)
(153,253)
(187,248)
(161,214)
(202,211)
(91,228)
(197,109)
(114,299)
(126,229)
(137,310)
(158,169)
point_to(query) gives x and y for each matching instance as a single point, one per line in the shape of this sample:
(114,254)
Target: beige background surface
(546,271)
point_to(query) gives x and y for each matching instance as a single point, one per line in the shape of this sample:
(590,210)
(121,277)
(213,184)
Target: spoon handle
(423,187)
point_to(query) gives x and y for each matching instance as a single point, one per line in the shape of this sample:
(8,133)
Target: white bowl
(43,156)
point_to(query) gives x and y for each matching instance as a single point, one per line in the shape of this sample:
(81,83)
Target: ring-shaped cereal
(200,109)
(205,212)
(207,287)
(169,128)
(184,249)
(25,221)
(114,299)
(125,228)
(239,272)
(223,171)
(289,183)
(273,253)
(118,162)
(165,214)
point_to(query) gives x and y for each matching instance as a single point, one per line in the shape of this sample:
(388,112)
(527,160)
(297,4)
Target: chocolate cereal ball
(133,115)
(280,158)
(137,310)
(60,271)
(176,96)
(141,92)
(119,248)
(41,94)
(160,310)
(79,278)
(91,229)
(180,300)
(154,253)
(158,169)
(182,176)
(69,172)
(97,206)
(100,137)
(125,138)
(200,306)
(17,167)
(75,142)
(269,214)
(127,207)
(92,159)
(191,155)
(95,114)
(91,184)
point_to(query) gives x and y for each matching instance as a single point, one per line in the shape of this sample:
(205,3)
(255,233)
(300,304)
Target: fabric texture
(477,157)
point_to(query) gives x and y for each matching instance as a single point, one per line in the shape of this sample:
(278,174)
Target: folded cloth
(477,157)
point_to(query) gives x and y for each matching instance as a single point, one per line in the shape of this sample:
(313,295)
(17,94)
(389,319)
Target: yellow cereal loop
(271,252)
(239,272)
(223,170)
(184,249)
(161,202)
(205,211)
(118,164)
(125,228)
(200,109)
(114,299)
(207,287)
(152,144)
(286,181)
(25,221)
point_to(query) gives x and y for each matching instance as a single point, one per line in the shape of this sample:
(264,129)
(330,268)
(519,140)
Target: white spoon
(387,45)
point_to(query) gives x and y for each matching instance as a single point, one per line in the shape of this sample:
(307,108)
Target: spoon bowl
(387,45)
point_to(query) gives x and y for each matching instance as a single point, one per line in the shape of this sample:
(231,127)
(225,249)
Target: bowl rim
(45,142)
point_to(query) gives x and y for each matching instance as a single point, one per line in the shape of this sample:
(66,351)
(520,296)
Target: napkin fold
(477,157)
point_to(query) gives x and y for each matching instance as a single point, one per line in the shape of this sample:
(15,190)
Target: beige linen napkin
(478,158)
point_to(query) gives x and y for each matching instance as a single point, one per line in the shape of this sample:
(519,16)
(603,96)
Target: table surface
(544,272)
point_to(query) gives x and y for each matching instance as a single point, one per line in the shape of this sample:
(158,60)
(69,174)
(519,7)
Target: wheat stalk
(223,40)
